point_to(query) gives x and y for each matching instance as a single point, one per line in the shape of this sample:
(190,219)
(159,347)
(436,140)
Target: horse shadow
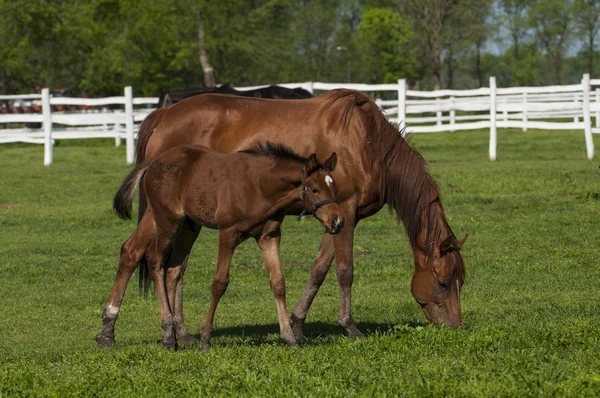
(315,333)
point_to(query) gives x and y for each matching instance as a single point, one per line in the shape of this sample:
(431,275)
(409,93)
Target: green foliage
(386,40)
(530,309)
(99,46)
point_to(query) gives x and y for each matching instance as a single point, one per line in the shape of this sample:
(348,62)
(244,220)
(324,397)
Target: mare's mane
(404,180)
(275,150)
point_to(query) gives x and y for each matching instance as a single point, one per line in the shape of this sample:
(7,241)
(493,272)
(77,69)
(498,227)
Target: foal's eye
(315,190)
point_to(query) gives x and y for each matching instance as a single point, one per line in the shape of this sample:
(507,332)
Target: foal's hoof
(204,346)
(170,345)
(105,340)
(187,340)
(288,338)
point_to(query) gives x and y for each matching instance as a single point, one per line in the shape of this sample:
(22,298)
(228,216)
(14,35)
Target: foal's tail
(124,197)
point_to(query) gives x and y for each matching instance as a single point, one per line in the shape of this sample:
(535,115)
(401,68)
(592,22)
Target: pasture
(531,304)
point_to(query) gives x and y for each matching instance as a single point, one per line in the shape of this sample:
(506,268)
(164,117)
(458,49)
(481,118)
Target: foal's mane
(404,180)
(275,150)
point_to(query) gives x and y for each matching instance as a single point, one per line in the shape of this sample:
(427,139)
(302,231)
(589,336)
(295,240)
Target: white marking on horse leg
(112,311)
(328,180)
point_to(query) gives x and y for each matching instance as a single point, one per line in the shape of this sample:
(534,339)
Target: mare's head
(437,280)
(318,192)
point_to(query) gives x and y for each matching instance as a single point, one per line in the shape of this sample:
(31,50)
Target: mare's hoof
(187,340)
(354,334)
(105,340)
(297,327)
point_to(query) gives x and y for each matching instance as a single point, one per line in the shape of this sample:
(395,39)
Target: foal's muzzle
(336,226)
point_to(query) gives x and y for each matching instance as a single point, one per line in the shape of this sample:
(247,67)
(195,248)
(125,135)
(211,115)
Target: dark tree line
(99,46)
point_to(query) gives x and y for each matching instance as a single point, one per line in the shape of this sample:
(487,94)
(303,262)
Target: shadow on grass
(315,333)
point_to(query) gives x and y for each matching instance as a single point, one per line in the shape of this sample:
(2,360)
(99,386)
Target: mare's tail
(124,197)
(146,129)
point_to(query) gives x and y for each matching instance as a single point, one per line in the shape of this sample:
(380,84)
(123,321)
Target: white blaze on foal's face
(329,181)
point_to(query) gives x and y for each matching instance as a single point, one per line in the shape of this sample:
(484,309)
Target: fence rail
(568,107)
(116,120)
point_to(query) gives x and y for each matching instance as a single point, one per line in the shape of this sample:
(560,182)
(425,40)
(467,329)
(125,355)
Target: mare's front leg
(176,266)
(317,276)
(344,245)
(269,244)
(228,240)
(132,252)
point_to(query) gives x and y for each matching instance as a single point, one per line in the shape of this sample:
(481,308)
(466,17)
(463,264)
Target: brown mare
(243,195)
(377,166)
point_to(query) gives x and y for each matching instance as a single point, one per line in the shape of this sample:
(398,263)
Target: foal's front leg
(228,240)
(269,244)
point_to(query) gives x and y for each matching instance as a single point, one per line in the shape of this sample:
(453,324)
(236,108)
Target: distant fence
(568,107)
(111,117)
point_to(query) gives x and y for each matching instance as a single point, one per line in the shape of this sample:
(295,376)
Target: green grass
(531,304)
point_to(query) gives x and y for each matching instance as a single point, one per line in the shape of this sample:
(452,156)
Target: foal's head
(318,192)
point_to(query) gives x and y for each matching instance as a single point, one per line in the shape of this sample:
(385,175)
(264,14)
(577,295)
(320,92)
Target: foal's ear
(311,163)
(330,162)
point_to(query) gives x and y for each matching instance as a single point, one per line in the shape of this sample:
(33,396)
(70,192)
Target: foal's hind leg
(174,279)
(132,252)
(228,240)
(269,244)
(166,230)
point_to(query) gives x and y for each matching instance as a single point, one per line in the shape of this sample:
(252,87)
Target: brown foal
(244,194)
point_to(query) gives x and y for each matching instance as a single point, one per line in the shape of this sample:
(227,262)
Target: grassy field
(531,302)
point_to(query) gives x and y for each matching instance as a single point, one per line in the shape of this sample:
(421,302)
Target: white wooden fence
(567,107)
(94,123)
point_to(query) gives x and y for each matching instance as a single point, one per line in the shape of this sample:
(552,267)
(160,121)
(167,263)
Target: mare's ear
(460,242)
(311,163)
(330,162)
(445,245)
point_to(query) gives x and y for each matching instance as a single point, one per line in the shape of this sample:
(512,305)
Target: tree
(587,16)
(553,23)
(431,18)
(386,39)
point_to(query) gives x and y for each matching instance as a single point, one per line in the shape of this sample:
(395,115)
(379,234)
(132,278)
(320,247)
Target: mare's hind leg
(269,244)
(132,252)
(166,231)
(317,276)
(174,279)
(228,240)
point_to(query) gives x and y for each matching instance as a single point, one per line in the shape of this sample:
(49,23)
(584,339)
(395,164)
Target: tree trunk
(209,73)
(478,64)
(591,54)
(450,69)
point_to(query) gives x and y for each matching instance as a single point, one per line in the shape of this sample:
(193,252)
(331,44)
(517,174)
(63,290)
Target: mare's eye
(444,285)
(315,190)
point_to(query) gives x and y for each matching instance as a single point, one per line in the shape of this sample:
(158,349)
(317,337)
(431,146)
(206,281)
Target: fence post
(589,142)
(438,114)
(492,118)
(402,105)
(310,88)
(47,125)
(129,123)
(576,117)
(597,107)
(452,113)
(524,111)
